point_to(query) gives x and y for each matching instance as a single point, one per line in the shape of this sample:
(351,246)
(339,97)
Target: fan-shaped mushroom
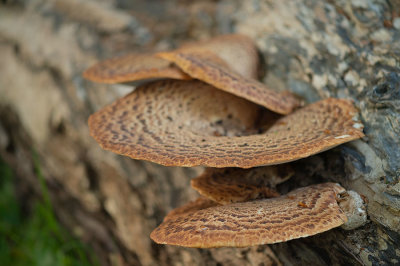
(191,207)
(208,67)
(237,51)
(232,49)
(229,185)
(301,213)
(188,123)
(133,67)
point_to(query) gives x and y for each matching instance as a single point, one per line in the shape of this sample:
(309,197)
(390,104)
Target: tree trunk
(316,49)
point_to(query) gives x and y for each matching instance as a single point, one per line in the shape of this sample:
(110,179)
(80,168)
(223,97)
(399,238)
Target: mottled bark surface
(313,48)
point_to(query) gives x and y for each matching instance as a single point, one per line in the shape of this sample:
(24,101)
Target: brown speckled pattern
(179,123)
(133,67)
(301,213)
(201,65)
(229,185)
(191,207)
(237,51)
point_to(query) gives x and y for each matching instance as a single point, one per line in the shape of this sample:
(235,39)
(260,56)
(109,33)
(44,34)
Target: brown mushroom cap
(228,185)
(301,213)
(237,51)
(207,66)
(133,67)
(188,123)
(191,207)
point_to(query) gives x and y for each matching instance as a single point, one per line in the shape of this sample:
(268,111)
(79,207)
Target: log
(316,49)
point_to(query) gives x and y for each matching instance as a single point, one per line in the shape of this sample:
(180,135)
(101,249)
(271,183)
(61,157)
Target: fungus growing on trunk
(228,185)
(133,67)
(232,49)
(199,204)
(219,123)
(208,67)
(189,123)
(237,51)
(257,222)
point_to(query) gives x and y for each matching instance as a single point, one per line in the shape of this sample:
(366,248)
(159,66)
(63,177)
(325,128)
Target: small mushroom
(189,123)
(257,222)
(228,185)
(133,67)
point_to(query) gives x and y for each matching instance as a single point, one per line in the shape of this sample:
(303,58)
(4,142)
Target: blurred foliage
(37,238)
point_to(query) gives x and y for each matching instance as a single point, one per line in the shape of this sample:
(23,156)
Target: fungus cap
(191,207)
(228,185)
(188,123)
(133,67)
(236,50)
(208,67)
(303,212)
(232,49)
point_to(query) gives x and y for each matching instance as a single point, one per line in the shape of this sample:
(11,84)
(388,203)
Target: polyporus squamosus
(229,185)
(213,122)
(303,212)
(133,67)
(189,123)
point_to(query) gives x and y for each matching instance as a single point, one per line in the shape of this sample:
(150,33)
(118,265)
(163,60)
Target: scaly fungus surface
(303,212)
(210,68)
(199,204)
(189,123)
(133,67)
(215,122)
(228,185)
(237,51)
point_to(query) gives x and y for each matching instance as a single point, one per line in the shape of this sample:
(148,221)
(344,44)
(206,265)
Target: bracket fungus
(133,67)
(237,51)
(208,67)
(173,123)
(228,185)
(218,121)
(227,62)
(199,204)
(300,213)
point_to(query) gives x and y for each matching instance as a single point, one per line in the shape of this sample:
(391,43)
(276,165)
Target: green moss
(37,239)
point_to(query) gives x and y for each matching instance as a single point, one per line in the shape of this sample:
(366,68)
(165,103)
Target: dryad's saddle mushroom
(133,67)
(208,67)
(178,123)
(215,121)
(300,213)
(236,51)
(228,185)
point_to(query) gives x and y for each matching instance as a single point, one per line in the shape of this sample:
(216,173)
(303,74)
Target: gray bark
(316,49)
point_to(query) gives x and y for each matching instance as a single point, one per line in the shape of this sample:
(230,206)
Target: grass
(37,239)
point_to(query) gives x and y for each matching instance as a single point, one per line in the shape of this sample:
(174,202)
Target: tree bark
(316,49)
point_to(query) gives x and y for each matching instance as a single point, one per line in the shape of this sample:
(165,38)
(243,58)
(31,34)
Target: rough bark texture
(313,48)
